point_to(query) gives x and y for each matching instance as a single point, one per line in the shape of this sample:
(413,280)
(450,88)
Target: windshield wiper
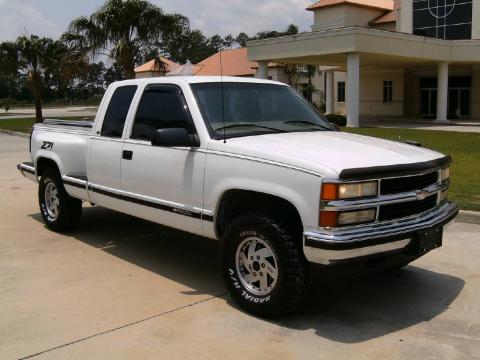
(249,125)
(305,122)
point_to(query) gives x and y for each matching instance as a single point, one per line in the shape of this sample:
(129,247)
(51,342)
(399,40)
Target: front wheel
(60,211)
(263,266)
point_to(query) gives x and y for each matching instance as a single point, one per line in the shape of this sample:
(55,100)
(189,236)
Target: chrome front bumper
(328,246)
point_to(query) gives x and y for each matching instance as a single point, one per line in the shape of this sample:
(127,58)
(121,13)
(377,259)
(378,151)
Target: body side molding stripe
(177,210)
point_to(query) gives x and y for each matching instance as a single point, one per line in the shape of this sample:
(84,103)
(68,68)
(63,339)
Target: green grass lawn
(464,149)
(25,125)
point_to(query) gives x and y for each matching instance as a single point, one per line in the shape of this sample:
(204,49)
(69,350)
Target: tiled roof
(185,70)
(152,67)
(373,4)
(389,17)
(234,63)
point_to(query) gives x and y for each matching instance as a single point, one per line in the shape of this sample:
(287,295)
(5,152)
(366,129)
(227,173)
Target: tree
(191,45)
(119,29)
(242,39)
(32,57)
(6,106)
(291,30)
(8,69)
(291,71)
(310,71)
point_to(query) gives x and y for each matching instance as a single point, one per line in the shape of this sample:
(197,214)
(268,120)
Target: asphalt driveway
(122,288)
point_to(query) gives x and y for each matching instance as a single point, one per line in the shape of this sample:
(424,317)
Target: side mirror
(177,137)
(337,128)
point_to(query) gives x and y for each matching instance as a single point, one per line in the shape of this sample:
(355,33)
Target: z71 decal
(47,145)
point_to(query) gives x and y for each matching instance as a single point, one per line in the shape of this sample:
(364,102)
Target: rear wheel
(263,266)
(60,211)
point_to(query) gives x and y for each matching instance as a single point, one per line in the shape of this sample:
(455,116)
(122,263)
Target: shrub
(338,119)
(5,104)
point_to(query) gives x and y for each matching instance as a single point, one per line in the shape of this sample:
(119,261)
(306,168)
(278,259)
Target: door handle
(127,155)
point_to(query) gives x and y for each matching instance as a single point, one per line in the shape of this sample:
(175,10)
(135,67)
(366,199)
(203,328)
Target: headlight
(349,191)
(445,174)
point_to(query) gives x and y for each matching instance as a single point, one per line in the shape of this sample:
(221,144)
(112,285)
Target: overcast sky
(51,17)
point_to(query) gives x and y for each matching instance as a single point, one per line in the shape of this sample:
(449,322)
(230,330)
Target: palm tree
(34,56)
(310,71)
(120,29)
(291,71)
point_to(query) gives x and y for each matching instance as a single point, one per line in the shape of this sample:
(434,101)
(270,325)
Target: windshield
(254,109)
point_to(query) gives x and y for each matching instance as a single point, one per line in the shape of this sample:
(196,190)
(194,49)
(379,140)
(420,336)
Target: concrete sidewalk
(88,111)
(123,288)
(421,124)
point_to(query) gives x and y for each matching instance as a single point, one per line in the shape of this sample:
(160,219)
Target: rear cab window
(117,111)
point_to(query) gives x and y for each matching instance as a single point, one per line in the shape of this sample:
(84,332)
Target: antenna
(223,99)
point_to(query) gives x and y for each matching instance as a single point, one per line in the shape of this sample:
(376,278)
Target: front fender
(300,189)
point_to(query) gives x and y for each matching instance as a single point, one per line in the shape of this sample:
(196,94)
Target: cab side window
(161,107)
(117,111)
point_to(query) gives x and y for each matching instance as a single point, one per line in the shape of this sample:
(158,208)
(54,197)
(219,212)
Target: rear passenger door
(105,148)
(165,183)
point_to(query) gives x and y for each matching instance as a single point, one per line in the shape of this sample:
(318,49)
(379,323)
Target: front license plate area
(427,240)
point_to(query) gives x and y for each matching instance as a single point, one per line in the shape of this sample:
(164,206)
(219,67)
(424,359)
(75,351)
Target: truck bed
(66,143)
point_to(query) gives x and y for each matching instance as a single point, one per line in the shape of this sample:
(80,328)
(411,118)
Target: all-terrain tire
(60,211)
(291,285)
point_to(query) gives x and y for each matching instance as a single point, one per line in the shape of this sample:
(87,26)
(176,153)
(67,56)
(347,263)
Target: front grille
(406,184)
(396,211)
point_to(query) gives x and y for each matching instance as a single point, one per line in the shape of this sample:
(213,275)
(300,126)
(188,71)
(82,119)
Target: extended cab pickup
(252,164)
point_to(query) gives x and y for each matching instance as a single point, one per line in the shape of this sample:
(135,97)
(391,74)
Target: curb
(470,217)
(14,133)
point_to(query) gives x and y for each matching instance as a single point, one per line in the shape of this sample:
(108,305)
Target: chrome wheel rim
(257,265)
(52,202)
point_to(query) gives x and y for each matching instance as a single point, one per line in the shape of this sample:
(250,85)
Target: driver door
(166,183)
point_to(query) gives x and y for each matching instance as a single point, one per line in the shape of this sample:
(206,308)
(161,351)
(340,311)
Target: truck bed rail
(71,123)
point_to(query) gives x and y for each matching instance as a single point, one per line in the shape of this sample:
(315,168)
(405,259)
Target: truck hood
(325,152)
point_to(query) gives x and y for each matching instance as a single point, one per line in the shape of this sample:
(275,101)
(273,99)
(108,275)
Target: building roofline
(388,18)
(365,40)
(358,3)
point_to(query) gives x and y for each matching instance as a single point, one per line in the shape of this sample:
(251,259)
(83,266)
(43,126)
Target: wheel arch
(235,202)
(43,162)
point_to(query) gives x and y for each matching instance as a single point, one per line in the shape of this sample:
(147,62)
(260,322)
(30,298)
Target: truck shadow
(351,310)
(362,308)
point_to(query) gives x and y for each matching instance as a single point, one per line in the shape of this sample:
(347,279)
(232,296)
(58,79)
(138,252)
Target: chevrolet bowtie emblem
(421,195)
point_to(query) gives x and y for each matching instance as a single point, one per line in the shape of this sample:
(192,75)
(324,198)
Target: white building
(402,58)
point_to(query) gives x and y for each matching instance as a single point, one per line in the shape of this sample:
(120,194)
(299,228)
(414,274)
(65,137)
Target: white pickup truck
(250,163)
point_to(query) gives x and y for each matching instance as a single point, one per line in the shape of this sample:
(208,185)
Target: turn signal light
(328,219)
(329,191)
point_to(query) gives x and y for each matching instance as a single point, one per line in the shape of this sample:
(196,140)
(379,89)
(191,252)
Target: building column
(353,90)
(329,92)
(262,72)
(442,92)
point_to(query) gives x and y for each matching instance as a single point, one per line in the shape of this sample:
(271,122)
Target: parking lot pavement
(123,288)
